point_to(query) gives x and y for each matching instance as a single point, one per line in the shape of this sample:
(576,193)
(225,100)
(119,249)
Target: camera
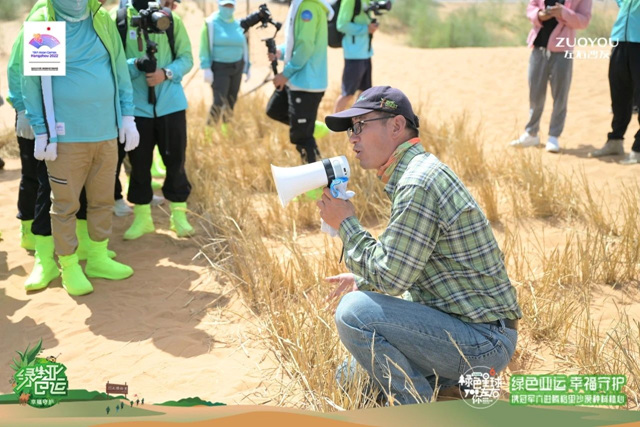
(262,17)
(153,19)
(378,7)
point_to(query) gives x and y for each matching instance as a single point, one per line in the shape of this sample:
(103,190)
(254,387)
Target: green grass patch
(190,401)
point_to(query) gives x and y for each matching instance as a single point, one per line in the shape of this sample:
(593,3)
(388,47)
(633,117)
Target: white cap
(223,2)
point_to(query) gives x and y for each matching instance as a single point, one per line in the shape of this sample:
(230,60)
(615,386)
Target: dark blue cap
(377,98)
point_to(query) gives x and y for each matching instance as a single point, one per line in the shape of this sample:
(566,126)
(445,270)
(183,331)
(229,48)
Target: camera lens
(160,20)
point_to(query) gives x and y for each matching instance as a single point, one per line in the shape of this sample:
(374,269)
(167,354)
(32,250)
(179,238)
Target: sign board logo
(45,53)
(481,387)
(40,40)
(38,381)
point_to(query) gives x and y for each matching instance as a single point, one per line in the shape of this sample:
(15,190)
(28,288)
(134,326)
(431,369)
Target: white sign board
(44,49)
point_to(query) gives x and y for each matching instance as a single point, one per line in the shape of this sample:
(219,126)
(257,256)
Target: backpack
(122,24)
(335,36)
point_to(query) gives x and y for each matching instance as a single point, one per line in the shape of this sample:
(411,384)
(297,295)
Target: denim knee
(353,311)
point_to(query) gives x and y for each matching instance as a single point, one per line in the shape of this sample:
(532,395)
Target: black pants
(170,134)
(299,110)
(28,190)
(624,84)
(117,194)
(226,84)
(42,220)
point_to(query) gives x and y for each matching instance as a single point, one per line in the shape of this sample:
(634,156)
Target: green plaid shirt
(438,249)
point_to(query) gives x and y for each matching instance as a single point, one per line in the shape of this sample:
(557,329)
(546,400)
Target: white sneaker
(525,140)
(553,146)
(121,208)
(157,200)
(632,159)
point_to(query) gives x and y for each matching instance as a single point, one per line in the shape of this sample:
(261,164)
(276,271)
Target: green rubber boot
(73,279)
(225,129)
(44,267)
(27,239)
(158,170)
(179,222)
(82,232)
(320,130)
(100,265)
(142,223)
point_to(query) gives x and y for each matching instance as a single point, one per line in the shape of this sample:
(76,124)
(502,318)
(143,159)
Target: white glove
(208,76)
(128,134)
(23,128)
(44,151)
(247,75)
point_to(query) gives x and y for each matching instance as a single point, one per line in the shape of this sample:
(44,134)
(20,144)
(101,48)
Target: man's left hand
(333,210)
(279,80)
(155,78)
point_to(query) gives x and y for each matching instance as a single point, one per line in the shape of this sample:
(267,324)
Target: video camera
(262,16)
(153,19)
(378,7)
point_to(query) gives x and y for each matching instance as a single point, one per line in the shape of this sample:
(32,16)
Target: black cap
(377,98)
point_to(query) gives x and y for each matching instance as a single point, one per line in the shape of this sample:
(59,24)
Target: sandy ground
(172,330)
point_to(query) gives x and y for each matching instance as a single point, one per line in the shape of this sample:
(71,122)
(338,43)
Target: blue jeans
(379,329)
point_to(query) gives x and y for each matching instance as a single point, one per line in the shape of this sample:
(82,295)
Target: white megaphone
(291,182)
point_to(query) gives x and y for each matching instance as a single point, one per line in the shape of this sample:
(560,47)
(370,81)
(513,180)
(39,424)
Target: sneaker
(121,208)
(632,159)
(611,148)
(525,140)
(157,200)
(553,146)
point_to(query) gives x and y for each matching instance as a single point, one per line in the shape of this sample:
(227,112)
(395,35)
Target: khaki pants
(92,166)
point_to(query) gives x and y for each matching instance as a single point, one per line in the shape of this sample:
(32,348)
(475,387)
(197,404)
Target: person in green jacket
(34,195)
(162,123)
(358,31)
(28,189)
(78,145)
(301,84)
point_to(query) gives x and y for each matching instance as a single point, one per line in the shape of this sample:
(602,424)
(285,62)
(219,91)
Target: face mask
(140,4)
(72,10)
(226,13)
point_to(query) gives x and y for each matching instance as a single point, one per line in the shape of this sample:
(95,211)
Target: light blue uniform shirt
(627,25)
(87,91)
(228,41)
(355,42)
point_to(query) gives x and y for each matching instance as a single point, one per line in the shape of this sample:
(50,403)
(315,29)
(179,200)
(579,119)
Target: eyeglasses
(356,128)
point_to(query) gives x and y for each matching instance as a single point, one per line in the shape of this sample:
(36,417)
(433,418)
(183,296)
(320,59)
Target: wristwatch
(168,74)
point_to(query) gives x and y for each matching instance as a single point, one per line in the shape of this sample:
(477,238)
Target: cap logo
(362,98)
(387,103)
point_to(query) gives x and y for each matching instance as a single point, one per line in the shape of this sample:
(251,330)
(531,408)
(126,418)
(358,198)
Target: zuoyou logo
(40,40)
(586,42)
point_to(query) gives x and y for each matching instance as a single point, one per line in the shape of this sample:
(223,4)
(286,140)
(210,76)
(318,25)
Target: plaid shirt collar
(390,188)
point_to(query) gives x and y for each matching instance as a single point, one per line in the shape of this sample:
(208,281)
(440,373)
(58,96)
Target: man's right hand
(272,57)
(346,283)
(373,27)
(44,151)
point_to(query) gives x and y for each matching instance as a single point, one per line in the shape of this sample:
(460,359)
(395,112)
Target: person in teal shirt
(624,81)
(224,57)
(301,84)
(162,123)
(358,31)
(76,119)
